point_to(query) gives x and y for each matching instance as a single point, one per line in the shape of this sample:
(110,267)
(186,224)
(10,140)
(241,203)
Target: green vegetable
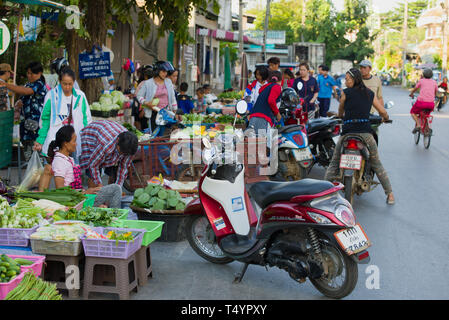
(144,198)
(155,191)
(162,194)
(149,189)
(65,196)
(24,262)
(180,206)
(172,202)
(152,201)
(138,192)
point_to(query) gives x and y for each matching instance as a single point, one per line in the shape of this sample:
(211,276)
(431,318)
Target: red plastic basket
(16,237)
(112,248)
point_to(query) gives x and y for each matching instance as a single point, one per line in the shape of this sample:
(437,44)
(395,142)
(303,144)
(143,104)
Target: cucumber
(3,270)
(11,273)
(23,262)
(5,264)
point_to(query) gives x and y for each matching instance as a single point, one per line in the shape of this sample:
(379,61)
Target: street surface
(410,239)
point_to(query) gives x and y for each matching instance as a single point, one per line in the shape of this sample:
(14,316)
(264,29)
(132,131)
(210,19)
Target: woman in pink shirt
(426,99)
(67,173)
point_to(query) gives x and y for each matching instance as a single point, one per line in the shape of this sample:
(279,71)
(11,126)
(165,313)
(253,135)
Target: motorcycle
(294,154)
(304,227)
(355,168)
(439,99)
(321,133)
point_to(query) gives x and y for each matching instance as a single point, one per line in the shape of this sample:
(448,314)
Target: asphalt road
(410,239)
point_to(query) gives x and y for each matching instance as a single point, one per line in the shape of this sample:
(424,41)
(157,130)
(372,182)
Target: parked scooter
(294,153)
(321,133)
(305,227)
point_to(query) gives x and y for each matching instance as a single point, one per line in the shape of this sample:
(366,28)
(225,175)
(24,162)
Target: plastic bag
(33,174)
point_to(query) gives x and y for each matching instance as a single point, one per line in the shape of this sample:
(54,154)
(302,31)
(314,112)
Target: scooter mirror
(389,105)
(207,143)
(300,86)
(241,107)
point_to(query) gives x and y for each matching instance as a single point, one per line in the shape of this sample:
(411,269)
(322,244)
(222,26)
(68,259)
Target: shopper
(30,105)
(372,82)
(327,86)
(5,74)
(158,93)
(184,101)
(309,87)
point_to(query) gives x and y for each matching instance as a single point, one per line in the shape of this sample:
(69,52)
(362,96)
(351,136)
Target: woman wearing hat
(30,105)
(158,93)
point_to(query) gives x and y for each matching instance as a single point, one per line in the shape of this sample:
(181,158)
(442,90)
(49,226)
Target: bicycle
(425,119)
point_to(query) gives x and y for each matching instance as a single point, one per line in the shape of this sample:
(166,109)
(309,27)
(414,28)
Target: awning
(45,3)
(226,36)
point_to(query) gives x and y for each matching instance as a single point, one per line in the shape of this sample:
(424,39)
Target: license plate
(302,154)
(353,240)
(351,161)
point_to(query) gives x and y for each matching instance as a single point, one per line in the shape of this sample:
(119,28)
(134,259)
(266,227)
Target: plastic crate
(154,229)
(173,229)
(57,248)
(112,248)
(16,237)
(5,288)
(90,201)
(36,267)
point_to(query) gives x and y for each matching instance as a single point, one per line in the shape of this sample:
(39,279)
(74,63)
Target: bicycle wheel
(427,135)
(417,136)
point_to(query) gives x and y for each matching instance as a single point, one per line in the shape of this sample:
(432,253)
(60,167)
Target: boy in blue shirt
(184,102)
(327,85)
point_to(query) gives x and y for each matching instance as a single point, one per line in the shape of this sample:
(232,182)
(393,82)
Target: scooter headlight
(345,215)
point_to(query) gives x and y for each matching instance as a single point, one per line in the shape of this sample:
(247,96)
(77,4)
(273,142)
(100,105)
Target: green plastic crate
(89,201)
(6,130)
(154,228)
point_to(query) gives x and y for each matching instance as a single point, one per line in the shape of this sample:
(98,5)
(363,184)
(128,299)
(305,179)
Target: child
(426,99)
(208,95)
(184,102)
(200,101)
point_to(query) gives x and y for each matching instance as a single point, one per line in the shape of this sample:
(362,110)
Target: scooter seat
(267,192)
(319,124)
(290,129)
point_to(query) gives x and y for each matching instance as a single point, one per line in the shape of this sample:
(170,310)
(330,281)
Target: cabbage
(105,101)
(95,106)
(118,97)
(115,107)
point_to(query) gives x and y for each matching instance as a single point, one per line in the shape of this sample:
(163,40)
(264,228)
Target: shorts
(420,106)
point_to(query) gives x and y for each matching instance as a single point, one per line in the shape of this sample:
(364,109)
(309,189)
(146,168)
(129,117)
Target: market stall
(62,226)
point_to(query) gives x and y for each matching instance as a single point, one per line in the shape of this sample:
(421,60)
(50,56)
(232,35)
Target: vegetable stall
(63,226)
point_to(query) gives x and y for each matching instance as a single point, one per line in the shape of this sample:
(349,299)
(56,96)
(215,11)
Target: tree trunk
(97,29)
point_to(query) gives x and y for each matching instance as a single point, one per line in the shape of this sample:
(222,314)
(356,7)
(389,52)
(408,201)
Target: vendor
(107,144)
(68,174)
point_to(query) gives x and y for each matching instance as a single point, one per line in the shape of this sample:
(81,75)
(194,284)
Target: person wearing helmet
(56,68)
(426,100)
(158,93)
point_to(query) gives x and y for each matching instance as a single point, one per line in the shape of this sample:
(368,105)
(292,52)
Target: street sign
(94,65)
(5,38)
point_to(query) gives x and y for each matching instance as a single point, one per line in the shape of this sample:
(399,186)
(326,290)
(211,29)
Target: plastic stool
(55,278)
(123,282)
(144,267)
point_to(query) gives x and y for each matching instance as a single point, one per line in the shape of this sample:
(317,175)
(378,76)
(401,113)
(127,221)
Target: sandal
(390,201)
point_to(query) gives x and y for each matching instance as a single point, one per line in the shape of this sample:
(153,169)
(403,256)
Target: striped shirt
(99,150)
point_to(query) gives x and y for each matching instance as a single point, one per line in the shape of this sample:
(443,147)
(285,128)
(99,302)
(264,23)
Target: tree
(171,15)
(394,18)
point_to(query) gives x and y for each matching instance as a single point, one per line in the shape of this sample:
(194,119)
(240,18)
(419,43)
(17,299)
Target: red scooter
(304,227)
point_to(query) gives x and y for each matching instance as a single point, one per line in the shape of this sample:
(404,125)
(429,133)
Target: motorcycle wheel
(342,275)
(349,192)
(202,239)
(329,145)
(291,170)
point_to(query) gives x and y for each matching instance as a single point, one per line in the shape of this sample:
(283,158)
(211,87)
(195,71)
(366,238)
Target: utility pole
(241,26)
(267,20)
(404,44)
(445,6)
(303,22)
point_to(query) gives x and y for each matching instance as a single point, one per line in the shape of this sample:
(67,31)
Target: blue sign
(94,65)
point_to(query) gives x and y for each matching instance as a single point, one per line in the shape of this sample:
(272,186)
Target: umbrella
(227,69)
(244,73)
